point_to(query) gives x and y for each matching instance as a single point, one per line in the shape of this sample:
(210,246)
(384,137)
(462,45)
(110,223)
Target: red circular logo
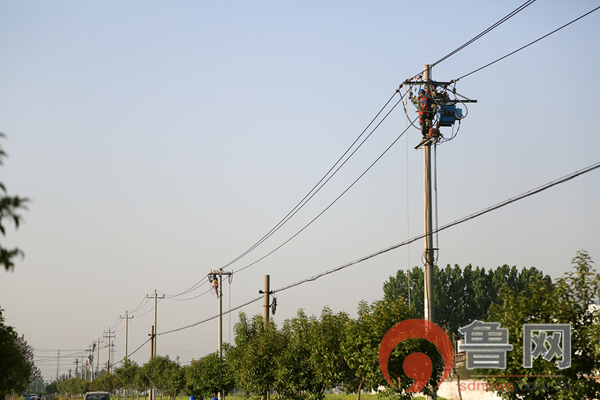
(417,365)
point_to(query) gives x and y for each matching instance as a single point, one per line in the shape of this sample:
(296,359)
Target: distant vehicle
(97,396)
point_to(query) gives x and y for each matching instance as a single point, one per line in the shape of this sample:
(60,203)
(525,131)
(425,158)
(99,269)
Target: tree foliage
(361,348)
(567,303)
(15,370)
(208,376)
(461,295)
(9,209)
(27,352)
(77,386)
(125,374)
(256,346)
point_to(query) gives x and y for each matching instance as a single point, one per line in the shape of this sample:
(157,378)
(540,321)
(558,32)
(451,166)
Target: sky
(158,141)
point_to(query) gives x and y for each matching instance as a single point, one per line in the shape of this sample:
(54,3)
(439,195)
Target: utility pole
(108,363)
(429,300)
(219,289)
(85,375)
(152,355)
(155,326)
(57,364)
(98,358)
(266,292)
(76,367)
(126,318)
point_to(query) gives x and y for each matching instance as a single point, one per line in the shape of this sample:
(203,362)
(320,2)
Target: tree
(295,375)
(77,386)
(9,207)
(256,346)
(27,352)
(361,348)
(208,376)
(125,374)
(161,373)
(566,303)
(461,295)
(327,338)
(15,371)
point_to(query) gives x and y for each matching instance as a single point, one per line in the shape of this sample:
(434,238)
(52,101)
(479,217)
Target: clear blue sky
(159,140)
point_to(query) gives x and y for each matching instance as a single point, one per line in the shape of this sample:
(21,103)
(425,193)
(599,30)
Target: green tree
(104,383)
(327,338)
(77,386)
(164,374)
(125,374)
(174,379)
(208,376)
(27,352)
(295,375)
(256,346)
(461,295)
(566,303)
(9,207)
(361,348)
(15,370)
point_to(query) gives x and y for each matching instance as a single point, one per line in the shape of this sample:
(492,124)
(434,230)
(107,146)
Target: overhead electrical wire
(337,198)
(328,175)
(451,224)
(191,298)
(486,31)
(527,45)
(315,188)
(190,289)
(313,278)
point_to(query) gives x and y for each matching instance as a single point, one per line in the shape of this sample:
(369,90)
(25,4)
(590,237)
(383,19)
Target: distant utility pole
(57,364)
(98,358)
(90,361)
(152,355)
(155,326)
(126,318)
(266,292)
(108,363)
(76,368)
(219,274)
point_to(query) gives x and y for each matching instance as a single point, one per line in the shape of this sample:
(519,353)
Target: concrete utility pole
(266,295)
(152,355)
(108,363)
(266,292)
(126,318)
(98,358)
(428,298)
(219,289)
(76,367)
(155,314)
(57,364)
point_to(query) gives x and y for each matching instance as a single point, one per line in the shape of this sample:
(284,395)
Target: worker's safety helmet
(192,398)
(421,90)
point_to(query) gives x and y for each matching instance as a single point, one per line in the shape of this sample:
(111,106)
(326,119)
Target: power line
(337,198)
(537,190)
(451,224)
(190,298)
(500,22)
(328,175)
(527,45)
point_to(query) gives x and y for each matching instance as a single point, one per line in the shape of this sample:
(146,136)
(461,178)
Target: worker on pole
(426,107)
